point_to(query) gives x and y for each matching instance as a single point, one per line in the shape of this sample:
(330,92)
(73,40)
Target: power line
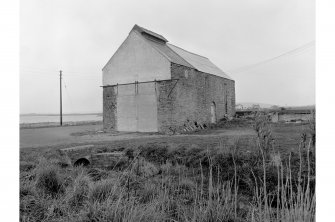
(288,53)
(68,95)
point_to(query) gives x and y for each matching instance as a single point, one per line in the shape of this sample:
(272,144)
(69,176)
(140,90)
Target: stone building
(150,85)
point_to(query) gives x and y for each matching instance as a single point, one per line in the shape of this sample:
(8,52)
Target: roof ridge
(187,50)
(166,56)
(149,32)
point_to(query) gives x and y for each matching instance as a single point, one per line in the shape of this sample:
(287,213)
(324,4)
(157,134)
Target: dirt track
(85,134)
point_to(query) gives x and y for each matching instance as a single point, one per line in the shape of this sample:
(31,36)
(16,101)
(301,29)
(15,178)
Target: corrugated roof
(201,63)
(170,54)
(180,56)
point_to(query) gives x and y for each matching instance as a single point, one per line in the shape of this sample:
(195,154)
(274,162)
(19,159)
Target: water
(55,119)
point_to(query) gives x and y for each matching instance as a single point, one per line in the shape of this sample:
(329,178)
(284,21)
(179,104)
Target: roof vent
(149,34)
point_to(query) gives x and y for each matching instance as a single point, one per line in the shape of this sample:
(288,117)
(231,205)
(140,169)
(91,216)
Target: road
(85,134)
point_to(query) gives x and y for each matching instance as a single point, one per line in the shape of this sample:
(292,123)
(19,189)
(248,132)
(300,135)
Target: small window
(186,73)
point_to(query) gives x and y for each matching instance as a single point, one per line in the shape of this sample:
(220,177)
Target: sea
(44,118)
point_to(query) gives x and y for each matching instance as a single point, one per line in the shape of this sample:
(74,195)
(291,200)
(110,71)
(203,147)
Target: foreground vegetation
(159,182)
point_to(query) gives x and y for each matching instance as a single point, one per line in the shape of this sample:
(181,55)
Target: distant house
(150,85)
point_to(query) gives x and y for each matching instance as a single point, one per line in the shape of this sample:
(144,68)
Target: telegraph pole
(60,89)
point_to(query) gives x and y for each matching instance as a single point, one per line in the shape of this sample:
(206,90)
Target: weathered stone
(191,97)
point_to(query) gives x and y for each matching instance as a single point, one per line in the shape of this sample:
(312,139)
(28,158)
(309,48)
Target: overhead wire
(68,95)
(78,74)
(292,52)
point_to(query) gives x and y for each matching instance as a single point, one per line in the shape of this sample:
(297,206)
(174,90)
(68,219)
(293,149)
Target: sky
(266,46)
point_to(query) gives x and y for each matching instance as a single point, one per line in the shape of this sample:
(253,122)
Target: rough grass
(77,195)
(179,182)
(48,180)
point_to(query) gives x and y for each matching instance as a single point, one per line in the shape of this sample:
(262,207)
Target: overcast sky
(241,37)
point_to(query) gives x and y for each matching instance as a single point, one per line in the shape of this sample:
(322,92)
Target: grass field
(268,175)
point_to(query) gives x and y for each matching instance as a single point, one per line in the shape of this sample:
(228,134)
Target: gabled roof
(178,55)
(199,62)
(143,30)
(169,54)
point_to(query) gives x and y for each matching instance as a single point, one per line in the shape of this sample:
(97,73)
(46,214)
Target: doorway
(137,108)
(213,112)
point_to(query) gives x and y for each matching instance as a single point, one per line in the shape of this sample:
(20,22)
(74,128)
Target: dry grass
(177,183)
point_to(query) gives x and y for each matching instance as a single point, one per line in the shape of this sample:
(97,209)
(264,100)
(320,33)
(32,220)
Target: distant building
(292,115)
(150,85)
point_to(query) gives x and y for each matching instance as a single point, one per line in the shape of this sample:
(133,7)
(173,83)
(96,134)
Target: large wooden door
(126,108)
(137,108)
(147,108)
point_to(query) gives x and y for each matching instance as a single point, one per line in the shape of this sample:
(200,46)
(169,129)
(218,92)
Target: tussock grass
(78,194)
(164,182)
(48,180)
(102,190)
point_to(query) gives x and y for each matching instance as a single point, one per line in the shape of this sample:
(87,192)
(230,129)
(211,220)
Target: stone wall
(109,108)
(89,153)
(187,98)
(165,105)
(105,160)
(78,152)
